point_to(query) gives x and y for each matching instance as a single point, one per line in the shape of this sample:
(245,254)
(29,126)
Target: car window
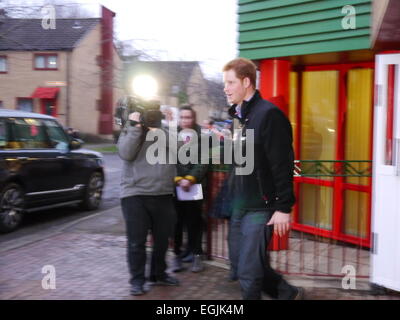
(56,134)
(3,133)
(28,133)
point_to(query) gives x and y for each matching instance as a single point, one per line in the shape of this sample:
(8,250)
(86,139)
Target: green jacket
(195,172)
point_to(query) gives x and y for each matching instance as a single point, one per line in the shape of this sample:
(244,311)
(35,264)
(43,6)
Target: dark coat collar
(245,107)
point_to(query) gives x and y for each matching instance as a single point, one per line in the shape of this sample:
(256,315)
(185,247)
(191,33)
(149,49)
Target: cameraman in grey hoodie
(147,203)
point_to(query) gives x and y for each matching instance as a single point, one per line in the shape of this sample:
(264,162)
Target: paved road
(48,220)
(88,250)
(89,262)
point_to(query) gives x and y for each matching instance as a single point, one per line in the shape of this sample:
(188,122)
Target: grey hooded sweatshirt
(139,177)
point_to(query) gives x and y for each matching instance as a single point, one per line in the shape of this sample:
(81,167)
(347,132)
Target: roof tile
(29,35)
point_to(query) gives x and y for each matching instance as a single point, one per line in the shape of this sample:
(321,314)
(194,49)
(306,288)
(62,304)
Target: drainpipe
(68,107)
(106,78)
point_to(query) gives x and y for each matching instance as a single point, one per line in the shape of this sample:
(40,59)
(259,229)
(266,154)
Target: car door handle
(22,158)
(61,157)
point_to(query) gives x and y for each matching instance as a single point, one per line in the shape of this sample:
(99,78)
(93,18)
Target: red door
(49,107)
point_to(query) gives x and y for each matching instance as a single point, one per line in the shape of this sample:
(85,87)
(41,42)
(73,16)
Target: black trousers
(144,213)
(190,217)
(248,241)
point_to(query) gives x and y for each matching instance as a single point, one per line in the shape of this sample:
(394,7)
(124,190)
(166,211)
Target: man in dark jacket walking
(262,200)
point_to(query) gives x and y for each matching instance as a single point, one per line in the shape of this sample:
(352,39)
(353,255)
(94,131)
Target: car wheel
(93,192)
(11,207)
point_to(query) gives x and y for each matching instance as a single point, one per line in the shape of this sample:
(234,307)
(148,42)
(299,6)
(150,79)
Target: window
(46,62)
(25,104)
(52,62)
(28,133)
(57,135)
(40,62)
(3,64)
(3,133)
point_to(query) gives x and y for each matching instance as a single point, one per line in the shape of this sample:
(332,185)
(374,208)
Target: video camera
(149,110)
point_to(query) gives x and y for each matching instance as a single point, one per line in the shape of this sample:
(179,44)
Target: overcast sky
(195,30)
(200,30)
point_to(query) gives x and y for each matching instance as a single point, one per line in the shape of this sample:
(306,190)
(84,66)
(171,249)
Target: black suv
(41,168)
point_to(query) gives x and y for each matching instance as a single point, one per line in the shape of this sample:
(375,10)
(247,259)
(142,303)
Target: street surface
(66,254)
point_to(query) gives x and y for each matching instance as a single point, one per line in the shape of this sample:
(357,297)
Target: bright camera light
(145,86)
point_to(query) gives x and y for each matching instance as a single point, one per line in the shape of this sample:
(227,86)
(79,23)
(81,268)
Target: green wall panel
(305,39)
(268,4)
(334,13)
(276,28)
(298,9)
(358,43)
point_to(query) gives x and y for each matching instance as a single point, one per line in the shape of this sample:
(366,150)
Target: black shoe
(137,290)
(184,254)
(300,294)
(188,258)
(291,293)
(166,281)
(232,278)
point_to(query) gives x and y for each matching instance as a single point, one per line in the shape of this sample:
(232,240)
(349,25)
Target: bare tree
(129,50)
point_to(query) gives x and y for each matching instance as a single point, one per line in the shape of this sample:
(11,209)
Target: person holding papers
(190,182)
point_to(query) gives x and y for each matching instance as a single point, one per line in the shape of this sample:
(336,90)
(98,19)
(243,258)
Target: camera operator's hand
(185,184)
(135,116)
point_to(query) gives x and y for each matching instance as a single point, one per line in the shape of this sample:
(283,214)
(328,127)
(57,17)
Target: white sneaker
(198,265)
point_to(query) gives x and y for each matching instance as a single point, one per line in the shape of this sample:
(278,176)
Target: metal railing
(306,254)
(333,168)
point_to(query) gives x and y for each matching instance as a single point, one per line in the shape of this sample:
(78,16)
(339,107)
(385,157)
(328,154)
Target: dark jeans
(142,213)
(248,241)
(189,217)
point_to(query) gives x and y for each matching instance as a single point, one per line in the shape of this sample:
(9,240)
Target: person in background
(210,129)
(168,117)
(147,204)
(189,213)
(227,131)
(73,133)
(207,126)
